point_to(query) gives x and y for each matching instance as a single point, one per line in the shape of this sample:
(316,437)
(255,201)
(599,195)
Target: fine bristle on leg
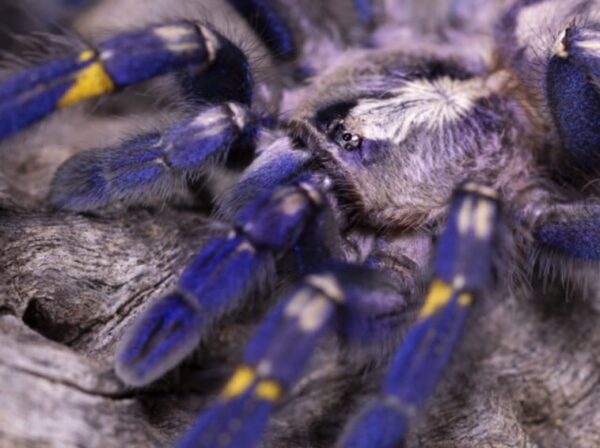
(218,279)
(462,270)
(183,47)
(152,168)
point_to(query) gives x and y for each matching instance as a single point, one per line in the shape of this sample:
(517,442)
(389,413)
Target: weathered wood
(527,373)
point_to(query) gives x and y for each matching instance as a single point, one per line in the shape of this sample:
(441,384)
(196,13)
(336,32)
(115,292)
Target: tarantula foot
(572,83)
(219,277)
(277,355)
(152,167)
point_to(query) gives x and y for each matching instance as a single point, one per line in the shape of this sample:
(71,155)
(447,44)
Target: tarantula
(342,176)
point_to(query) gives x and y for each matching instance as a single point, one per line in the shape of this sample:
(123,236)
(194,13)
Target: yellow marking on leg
(465,299)
(87,55)
(239,383)
(439,295)
(90,81)
(269,390)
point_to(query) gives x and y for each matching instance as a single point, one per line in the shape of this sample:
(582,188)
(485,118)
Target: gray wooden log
(527,373)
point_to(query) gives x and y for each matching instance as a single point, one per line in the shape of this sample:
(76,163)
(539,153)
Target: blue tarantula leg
(120,61)
(267,22)
(277,355)
(274,359)
(364,9)
(462,268)
(573,89)
(275,164)
(220,275)
(571,230)
(152,167)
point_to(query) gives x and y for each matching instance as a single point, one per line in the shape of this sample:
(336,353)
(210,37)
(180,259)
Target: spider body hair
(359,173)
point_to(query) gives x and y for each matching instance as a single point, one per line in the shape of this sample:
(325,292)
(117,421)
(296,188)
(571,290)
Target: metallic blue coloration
(380,425)
(269,170)
(575,105)
(89,190)
(43,75)
(364,9)
(17,113)
(190,144)
(150,165)
(137,56)
(283,342)
(269,25)
(34,93)
(426,349)
(418,365)
(575,234)
(220,274)
(126,59)
(278,353)
(214,427)
(219,277)
(191,154)
(167,332)
(276,221)
(138,177)
(93,179)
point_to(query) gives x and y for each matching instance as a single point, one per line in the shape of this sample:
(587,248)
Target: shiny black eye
(330,120)
(336,132)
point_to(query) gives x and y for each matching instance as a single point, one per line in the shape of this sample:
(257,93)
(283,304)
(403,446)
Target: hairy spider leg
(274,359)
(570,230)
(275,164)
(462,269)
(126,59)
(278,353)
(268,24)
(573,91)
(364,9)
(220,276)
(151,166)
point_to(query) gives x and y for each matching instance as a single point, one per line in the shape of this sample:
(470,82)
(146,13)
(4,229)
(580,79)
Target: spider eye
(330,120)
(572,80)
(336,132)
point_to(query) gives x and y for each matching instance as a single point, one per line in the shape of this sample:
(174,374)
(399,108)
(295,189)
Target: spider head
(407,133)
